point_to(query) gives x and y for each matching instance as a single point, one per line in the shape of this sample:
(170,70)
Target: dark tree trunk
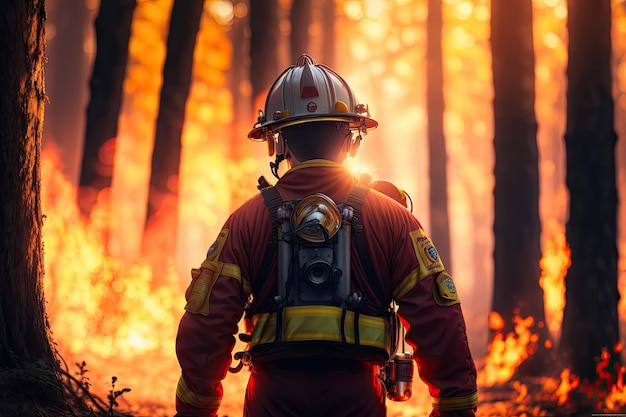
(301,15)
(590,319)
(67,71)
(313,30)
(517,226)
(437,158)
(239,76)
(329,34)
(28,366)
(177,71)
(112,25)
(264,46)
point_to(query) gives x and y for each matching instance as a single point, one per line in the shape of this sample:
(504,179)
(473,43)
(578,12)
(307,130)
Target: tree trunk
(301,14)
(113,27)
(67,71)
(163,194)
(239,77)
(28,366)
(313,30)
(264,47)
(517,226)
(590,319)
(437,158)
(329,34)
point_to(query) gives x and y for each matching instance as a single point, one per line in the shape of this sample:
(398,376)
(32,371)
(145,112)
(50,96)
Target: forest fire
(112,307)
(111,316)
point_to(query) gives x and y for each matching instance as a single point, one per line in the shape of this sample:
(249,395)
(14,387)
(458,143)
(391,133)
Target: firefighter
(316,263)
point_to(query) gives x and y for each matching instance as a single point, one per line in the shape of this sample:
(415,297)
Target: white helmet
(310,92)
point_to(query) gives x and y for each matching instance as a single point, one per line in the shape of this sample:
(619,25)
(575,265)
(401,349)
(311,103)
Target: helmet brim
(356,122)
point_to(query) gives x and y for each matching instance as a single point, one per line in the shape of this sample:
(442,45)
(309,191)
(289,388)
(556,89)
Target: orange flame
(507,353)
(104,305)
(567,385)
(554,263)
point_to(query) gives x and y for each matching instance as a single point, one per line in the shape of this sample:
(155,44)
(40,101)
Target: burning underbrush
(114,324)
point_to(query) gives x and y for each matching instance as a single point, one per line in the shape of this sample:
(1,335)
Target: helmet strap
(274,165)
(354,145)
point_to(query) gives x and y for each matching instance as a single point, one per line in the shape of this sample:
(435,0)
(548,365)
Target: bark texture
(590,318)
(28,365)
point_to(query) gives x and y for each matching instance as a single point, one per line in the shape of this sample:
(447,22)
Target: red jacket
(405,262)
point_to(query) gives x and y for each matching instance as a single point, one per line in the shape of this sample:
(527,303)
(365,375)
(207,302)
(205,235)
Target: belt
(318,364)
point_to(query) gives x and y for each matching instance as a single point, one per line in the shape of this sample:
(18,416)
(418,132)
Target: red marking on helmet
(308,88)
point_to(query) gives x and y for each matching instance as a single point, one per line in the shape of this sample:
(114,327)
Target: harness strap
(356,200)
(273,201)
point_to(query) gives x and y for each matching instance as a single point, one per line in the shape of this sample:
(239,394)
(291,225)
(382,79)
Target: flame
(112,307)
(567,385)
(554,263)
(507,352)
(617,395)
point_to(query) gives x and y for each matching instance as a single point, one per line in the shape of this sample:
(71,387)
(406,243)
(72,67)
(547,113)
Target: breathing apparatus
(308,92)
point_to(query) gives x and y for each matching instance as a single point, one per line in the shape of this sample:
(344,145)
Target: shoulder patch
(426,253)
(216,248)
(203,278)
(444,292)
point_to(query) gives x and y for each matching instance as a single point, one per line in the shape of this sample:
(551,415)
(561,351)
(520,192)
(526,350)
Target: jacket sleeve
(430,308)
(444,362)
(215,301)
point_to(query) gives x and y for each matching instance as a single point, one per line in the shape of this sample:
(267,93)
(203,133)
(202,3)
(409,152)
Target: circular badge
(311,107)
(432,254)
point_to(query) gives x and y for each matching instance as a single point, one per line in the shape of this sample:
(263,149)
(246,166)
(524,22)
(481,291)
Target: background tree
(239,81)
(300,17)
(177,70)
(265,38)
(28,367)
(437,159)
(517,226)
(113,28)
(313,30)
(590,318)
(67,68)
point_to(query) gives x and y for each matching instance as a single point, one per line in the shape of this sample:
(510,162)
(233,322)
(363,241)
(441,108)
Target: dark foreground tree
(113,25)
(590,318)
(29,371)
(517,226)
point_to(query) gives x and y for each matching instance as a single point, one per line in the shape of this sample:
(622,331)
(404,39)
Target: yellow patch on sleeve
(200,289)
(203,278)
(444,292)
(427,255)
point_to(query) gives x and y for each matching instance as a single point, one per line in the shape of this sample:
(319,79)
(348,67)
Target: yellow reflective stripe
(196,400)
(407,284)
(233,271)
(456,403)
(312,323)
(371,329)
(320,323)
(264,328)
